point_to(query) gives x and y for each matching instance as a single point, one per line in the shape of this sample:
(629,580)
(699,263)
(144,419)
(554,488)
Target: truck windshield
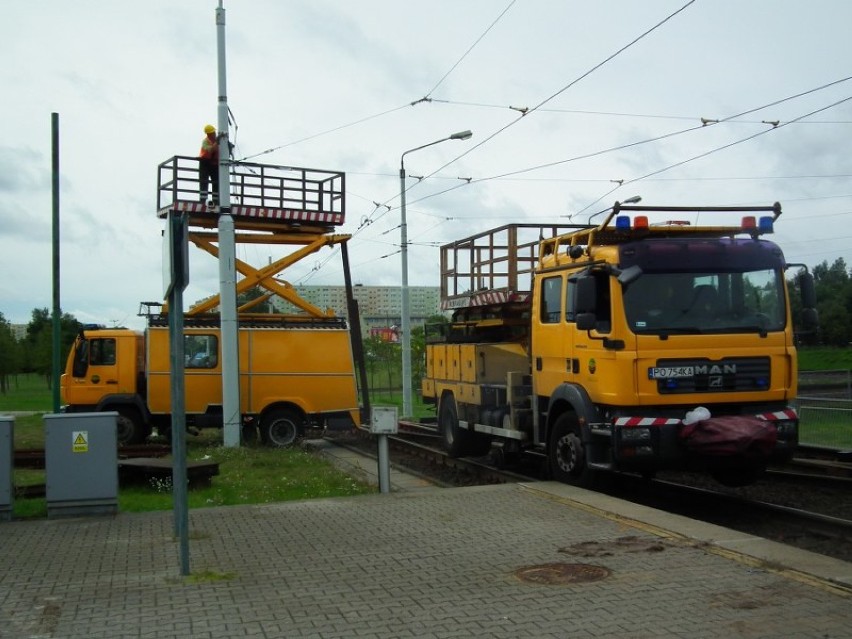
(706,302)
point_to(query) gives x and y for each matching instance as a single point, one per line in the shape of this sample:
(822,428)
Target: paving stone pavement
(429,563)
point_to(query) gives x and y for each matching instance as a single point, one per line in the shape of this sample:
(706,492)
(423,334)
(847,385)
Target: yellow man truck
(292,376)
(628,346)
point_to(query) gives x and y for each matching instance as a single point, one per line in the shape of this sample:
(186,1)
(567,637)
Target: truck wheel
(281,427)
(455,440)
(566,454)
(130,429)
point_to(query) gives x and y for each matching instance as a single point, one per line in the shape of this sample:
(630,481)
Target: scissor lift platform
(293,198)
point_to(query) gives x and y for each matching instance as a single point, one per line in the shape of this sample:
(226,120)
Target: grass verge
(247,475)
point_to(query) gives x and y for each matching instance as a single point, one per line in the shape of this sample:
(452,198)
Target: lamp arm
(402,157)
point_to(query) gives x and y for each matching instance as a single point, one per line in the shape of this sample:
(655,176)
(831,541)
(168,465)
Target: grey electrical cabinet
(7,466)
(81,464)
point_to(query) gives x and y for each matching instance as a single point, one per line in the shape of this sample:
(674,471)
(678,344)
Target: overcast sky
(615,90)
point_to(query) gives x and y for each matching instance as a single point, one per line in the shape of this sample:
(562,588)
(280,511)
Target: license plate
(670,372)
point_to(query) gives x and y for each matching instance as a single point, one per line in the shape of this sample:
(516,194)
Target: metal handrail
(256,185)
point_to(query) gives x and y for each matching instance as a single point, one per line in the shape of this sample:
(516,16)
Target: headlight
(635,434)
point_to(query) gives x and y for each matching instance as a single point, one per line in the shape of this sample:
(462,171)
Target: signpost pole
(178,280)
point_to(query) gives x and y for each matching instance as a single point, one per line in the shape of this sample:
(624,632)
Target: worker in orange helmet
(208,164)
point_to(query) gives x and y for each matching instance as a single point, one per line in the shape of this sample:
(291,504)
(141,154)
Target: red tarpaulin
(730,435)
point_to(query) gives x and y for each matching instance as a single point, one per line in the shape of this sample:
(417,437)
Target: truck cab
(105,370)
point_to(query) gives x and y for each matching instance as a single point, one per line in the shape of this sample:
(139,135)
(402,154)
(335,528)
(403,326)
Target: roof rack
(606,234)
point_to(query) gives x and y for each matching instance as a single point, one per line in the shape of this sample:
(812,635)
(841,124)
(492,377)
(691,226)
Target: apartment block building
(380,306)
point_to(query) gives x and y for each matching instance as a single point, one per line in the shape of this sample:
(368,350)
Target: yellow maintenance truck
(292,375)
(633,345)
(297,369)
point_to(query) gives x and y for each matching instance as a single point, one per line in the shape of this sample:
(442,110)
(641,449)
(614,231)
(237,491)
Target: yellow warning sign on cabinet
(81,441)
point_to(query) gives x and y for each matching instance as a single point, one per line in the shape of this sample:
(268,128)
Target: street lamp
(406,303)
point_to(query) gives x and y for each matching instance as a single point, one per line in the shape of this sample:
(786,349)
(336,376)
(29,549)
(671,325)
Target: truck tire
(455,440)
(130,429)
(282,427)
(566,453)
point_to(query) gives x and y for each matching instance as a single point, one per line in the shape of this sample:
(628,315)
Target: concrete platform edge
(802,565)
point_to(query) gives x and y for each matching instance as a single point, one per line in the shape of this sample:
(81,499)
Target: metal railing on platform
(258,186)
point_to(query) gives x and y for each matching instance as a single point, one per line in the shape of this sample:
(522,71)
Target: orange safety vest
(209,151)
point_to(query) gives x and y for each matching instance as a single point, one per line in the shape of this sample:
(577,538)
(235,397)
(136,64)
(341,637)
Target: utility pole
(231,417)
(57,311)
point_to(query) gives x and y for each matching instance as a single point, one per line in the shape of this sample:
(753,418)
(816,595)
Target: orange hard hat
(210,129)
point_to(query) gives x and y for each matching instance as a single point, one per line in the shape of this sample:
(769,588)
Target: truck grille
(733,374)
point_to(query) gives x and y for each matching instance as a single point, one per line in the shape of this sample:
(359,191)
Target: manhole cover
(559,573)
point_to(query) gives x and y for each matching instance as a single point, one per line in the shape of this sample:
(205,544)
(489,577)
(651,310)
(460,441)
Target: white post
(407,408)
(231,417)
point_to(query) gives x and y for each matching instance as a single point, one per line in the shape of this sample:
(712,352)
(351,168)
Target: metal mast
(231,418)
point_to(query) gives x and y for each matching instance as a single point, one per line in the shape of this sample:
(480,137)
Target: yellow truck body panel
(310,368)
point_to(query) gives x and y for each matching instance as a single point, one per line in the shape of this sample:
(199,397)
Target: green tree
(382,359)
(834,320)
(418,357)
(10,354)
(38,345)
(834,302)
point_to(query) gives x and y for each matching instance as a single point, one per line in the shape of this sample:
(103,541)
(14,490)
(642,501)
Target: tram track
(801,523)
(34,457)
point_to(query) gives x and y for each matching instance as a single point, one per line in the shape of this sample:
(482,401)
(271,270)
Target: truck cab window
(551,300)
(714,302)
(570,301)
(102,352)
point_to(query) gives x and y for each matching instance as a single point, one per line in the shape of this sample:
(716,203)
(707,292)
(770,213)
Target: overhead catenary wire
(701,155)
(426,98)
(326,132)
(471,48)
(712,151)
(525,111)
(383,209)
(572,83)
(659,138)
(658,171)
(655,116)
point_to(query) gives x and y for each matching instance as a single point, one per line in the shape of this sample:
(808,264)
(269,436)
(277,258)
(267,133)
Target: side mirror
(807,290)
(586,295)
